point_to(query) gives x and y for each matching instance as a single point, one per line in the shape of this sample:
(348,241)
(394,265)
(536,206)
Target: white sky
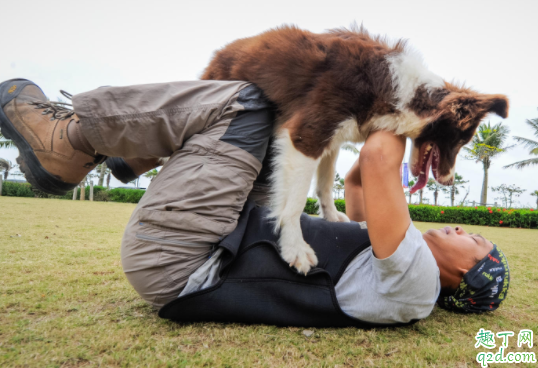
(81,45)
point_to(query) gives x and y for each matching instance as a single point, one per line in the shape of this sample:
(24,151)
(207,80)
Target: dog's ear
(497,104)
(466,110)
(467,106)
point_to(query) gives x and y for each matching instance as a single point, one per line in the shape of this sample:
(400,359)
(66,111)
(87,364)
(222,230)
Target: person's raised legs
(54,155)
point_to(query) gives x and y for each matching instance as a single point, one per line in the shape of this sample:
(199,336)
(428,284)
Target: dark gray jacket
(257,286)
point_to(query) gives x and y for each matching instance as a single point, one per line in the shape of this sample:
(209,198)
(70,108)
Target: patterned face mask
(483,287)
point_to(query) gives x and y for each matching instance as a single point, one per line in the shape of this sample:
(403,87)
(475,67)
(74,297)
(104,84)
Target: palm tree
(84,183)
(6,166)
(420,195)
(433,186)
(338,185)
(410,185)
(530,144)
(350,148)
(453,190)
(6,143)
(487,143)
(102,169)
(152,174)
(136,182)
(535,193)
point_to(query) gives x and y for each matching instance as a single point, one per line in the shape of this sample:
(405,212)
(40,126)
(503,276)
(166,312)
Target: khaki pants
(216,134)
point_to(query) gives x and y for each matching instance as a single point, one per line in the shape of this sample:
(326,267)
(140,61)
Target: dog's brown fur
(316,80)
(320,84)
(320,80)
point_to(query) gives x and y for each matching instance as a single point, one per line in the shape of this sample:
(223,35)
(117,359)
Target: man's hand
(385,207)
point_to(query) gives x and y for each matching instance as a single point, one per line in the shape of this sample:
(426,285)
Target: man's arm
(354,194)
(385,207)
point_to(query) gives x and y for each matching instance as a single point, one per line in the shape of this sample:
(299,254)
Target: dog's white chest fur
(348,131)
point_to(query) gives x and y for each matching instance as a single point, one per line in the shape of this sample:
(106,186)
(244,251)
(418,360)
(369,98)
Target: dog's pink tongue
(421,182)
(424,173)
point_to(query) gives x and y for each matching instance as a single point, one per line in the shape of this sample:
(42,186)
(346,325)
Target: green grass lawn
(64,302)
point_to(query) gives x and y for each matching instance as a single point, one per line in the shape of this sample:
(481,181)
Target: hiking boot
(38,128)
(129,169)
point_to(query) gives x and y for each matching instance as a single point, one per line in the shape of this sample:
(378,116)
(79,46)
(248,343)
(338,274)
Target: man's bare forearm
(354,194)
(385,206)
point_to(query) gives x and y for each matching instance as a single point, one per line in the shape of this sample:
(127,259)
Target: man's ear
(497,104)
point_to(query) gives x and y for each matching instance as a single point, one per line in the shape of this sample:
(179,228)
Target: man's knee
(251,131)
(252,127)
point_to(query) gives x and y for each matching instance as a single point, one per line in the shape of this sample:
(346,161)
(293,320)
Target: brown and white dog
(339,86)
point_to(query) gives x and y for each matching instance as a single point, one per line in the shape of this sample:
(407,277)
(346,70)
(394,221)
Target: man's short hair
(482,288)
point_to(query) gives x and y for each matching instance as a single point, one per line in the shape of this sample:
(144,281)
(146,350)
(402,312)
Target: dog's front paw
(342,217)
(299,255)
(335,216)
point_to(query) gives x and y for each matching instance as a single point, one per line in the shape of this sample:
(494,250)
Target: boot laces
(59,110)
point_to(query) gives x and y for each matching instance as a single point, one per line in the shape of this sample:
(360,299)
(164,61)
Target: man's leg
(152,120)
(148,121)
(216,132)
(196,199)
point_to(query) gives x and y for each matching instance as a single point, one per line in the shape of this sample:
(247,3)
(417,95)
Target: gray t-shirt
(399,288)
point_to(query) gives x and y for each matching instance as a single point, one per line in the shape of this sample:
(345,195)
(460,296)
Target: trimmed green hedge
(10,189)
(126,195)
(312,207)
(96,189)
(69,194)
(340,205)
(485,216)
(122,195)
(99,193)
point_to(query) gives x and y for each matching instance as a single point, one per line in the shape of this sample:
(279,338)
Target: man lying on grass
(201,243)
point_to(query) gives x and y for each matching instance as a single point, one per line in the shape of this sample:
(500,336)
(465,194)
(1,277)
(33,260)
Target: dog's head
(452,115)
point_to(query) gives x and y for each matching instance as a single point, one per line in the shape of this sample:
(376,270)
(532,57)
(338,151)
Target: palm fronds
(5,164)
(488,142)
(530,144)
(6,143)
(350,148)
(524,163)
(527,143)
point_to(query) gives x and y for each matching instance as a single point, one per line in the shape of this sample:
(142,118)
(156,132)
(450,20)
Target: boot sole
(35,174)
